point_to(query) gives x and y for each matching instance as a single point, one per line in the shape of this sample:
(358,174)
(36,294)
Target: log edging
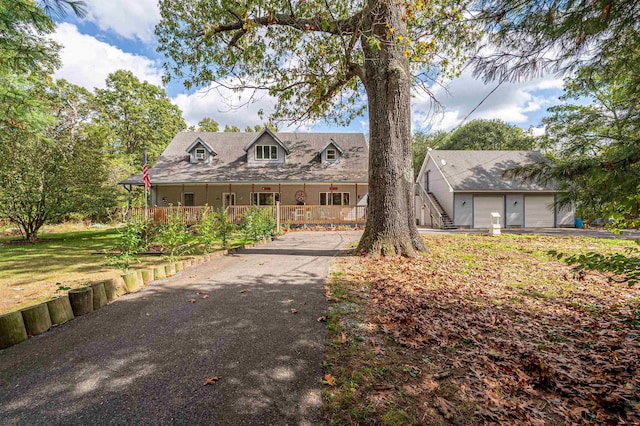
(18,326)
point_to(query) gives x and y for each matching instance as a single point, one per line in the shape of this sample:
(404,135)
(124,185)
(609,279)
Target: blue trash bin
(579,223)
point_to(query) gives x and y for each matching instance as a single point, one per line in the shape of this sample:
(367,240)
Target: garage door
(483,206)
(538,211)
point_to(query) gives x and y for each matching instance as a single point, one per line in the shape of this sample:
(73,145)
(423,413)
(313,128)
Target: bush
(175,237)
(131,243)
(259,223)
(215,227)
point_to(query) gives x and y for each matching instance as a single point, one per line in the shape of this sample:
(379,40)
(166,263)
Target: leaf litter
(504,335)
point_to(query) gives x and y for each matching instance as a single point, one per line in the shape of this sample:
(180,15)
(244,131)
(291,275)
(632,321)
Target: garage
(483,206)
(538,211)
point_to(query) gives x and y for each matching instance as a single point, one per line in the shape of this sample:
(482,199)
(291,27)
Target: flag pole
(145,178)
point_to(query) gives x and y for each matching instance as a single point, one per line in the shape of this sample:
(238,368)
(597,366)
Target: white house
(460,189)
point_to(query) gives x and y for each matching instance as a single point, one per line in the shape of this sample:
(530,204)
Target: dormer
(200,152)
(265,149)
(331,152)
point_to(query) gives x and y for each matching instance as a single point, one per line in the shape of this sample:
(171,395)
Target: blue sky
(118,34)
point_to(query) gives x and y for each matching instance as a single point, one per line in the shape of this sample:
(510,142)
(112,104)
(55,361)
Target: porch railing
(294,215)
(160,215)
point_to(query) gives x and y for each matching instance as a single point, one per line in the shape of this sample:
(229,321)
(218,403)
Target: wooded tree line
(64,148)
(319,58)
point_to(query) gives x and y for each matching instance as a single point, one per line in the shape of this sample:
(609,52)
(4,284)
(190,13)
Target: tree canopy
(317,58)
(138,115)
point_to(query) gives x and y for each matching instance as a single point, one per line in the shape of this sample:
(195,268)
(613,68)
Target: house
(259,169)
(462,188)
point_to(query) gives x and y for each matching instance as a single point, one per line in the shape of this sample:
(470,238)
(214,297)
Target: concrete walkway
(144,359)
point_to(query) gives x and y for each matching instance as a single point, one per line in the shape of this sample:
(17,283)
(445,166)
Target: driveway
(145,358)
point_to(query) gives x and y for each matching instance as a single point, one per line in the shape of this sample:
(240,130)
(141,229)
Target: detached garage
(460,189)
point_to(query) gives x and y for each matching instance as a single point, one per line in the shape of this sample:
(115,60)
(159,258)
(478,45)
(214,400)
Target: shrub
(175,237)
(131,243)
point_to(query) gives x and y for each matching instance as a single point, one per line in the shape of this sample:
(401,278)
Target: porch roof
(230,165)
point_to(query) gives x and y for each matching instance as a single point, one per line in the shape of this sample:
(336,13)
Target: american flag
(145,172)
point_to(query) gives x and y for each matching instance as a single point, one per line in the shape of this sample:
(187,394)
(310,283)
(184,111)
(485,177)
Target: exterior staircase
(447,223)
(438,216)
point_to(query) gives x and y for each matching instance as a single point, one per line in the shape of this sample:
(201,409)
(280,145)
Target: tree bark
(391,227)
(36,319)
(60,310)
(12,329)
(81,301)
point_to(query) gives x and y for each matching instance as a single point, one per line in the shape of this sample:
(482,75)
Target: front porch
(297,215)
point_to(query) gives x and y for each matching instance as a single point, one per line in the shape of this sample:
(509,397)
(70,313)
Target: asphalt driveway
(145,358)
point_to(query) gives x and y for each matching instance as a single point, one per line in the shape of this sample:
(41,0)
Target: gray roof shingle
(230,163)
(482,170)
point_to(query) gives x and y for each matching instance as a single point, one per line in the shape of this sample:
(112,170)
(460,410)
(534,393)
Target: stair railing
(426,199)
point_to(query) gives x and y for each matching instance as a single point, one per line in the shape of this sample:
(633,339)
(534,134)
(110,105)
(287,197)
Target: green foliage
(132,241)
(52,170)
(208,124)
(175,237)
(215,227)
(618,267)
(420,144)
(224,227)
(490,134)
(232,129)
(135,115)
(258,223)
(207,230)
(310,55)
(526,38)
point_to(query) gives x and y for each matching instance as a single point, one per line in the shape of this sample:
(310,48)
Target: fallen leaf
(244,290)
(192,300)
(342,337)
(329,380)
(382,387)
(293,311)
(211,380)
(205,296)
(322,318)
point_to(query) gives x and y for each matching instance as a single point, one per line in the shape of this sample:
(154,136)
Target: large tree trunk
(391,226)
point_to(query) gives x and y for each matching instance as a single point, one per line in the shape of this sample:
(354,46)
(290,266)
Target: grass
(482,330)
(66,256)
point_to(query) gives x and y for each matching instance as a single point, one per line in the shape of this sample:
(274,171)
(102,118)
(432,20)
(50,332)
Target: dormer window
(332,154)
(200,153)
(266,152)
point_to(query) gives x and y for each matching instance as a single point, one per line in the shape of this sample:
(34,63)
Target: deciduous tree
(318,57)
(136,115)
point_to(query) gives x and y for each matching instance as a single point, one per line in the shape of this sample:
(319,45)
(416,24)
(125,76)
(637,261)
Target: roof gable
(483,170)
(328,144)
(273,136)
(199,141)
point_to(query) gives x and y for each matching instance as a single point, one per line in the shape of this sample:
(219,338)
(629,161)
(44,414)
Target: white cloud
(514,103)
(231,108)
(130,19)
(87,61)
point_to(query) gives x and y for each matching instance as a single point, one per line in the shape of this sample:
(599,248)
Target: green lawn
(32,273)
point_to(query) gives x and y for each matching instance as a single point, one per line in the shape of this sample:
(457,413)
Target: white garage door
(538,211)
(483,206)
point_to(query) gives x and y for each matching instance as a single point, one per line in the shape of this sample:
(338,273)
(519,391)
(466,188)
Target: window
(334,198)
(228,199)
(189,200)
(200,153)
(332,155)
(266,152)
(264,198)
